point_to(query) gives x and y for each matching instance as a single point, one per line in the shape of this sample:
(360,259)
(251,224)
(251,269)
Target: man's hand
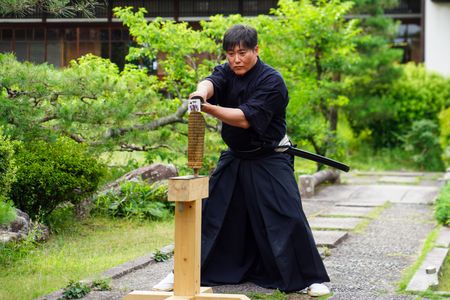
(198,94)
(205,90)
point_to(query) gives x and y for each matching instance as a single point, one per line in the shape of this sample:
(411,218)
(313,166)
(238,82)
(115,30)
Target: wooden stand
(187,192)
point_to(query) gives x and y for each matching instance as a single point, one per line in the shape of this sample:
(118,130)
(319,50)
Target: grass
(80,250)
(367,159)
(442,206)
(409,272)
(444,279)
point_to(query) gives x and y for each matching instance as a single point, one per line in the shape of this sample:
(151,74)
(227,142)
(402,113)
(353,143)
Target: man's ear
(256,50)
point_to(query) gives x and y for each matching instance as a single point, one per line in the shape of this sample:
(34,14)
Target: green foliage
(444,121)
(442,206)
(53,7)
(91,101)
(51,173)
(416,95)
(315,40)
(100,285)
(7,165)
(76,290)
(136,200)
(160,256)
(79,250)
(17,250)
(422,142)
(373,7)
(419,94)
(7,212)
(312,44)
(7,177)
(374,73)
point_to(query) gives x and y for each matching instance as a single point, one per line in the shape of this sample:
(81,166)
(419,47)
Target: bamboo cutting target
(196,141)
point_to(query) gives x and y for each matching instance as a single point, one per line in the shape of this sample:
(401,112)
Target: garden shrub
(422,141)
(51,173)
(7,212)
(136,199)
(442,206)
(7,164)
(7,177)
(76,290)
(418,94)
(444,118)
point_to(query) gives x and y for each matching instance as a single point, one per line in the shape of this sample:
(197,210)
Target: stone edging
(427,275)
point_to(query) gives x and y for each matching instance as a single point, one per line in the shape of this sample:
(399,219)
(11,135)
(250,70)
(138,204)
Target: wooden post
(187,192)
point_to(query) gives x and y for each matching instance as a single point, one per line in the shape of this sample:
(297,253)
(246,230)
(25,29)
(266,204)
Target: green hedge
(50,173)
(417,95)
(7,177)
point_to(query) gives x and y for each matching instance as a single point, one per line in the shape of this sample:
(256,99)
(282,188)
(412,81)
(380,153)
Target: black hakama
(254,228)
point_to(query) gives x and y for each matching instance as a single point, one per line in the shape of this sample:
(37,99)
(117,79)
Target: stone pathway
(393,212)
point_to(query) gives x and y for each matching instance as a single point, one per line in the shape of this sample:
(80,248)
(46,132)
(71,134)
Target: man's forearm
(231,116)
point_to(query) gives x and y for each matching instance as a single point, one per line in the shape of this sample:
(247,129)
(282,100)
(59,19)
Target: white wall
(437,37)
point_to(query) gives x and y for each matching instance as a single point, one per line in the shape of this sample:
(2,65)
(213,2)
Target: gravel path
(366,265)
(369,265)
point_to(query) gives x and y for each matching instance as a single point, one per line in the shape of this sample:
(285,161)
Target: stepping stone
(350,211)
(334,223)
(421,280)
(443,240)
(399,179)
(329,238)
(419,195)
(361,203)
(379,193)
(333,193)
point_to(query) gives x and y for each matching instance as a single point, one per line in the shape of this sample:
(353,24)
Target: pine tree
(61,8)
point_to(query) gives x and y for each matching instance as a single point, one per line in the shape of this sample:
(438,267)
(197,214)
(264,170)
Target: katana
(315,157)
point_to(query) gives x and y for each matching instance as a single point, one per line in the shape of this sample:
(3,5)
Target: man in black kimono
(253,225)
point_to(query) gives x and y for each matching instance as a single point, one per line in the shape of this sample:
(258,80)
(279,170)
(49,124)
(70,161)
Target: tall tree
(377,69)
(312,43)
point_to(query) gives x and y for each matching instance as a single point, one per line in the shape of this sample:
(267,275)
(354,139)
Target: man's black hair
(240,35)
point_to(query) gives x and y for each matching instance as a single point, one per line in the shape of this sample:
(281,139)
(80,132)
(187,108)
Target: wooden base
(205,294)
(187,192)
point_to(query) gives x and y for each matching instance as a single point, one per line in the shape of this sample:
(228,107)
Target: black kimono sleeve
(219,79)
(264,102)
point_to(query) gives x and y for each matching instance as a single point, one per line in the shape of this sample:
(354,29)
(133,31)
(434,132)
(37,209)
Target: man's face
(241,60)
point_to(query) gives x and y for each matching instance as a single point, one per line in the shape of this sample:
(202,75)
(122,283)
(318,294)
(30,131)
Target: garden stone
(19,224)
(21,227)
(6,237)
(150,174)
